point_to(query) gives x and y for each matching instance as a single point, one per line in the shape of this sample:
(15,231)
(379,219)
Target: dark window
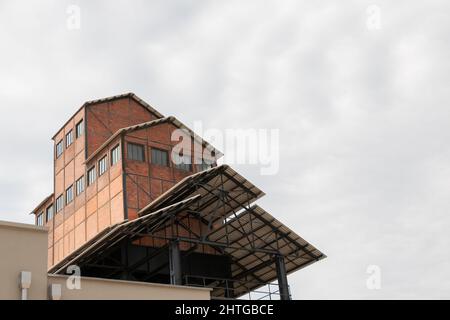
(69,138)
(59,149)
(59,203)
(49,213)
(115,155)
(79,188)
(69,194)
(79,130)
(91,176)
(40,219)
(205,165)
(183,163)
(135,152)
(102,166)
(160,157)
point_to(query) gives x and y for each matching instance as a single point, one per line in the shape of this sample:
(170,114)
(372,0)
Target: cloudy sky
(362,105)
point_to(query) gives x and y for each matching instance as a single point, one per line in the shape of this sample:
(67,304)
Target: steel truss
(229,225)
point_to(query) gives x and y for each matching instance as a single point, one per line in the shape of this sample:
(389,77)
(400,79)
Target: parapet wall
(23,247)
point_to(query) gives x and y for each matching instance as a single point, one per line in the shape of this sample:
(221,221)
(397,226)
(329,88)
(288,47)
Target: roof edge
(172,119)
(111,98)
(41,203)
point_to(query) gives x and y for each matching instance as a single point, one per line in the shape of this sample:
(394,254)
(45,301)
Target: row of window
(91,176)
(79,130)
(135,152)
(161,157)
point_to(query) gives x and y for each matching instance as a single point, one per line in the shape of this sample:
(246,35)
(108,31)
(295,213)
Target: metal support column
(175,264)
(282,278)
(124,260)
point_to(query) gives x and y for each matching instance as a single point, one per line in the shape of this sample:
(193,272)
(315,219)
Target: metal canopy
(256,228)
(258,245)
(114,235)
(218,186)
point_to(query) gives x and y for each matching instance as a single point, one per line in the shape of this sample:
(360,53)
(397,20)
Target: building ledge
(134,283)
(22,226)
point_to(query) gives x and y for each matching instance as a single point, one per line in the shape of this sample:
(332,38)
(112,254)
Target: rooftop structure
(122,209)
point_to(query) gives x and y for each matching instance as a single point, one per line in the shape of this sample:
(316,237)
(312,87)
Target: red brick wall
(104,198)
(101,204)
(67,169)
(104,119)
(145,181)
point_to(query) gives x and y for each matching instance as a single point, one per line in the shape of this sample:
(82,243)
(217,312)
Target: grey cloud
(362,114)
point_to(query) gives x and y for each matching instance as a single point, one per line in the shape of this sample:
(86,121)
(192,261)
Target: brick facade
(124,188)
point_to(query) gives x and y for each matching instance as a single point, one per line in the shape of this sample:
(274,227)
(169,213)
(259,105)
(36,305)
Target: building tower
(124,207)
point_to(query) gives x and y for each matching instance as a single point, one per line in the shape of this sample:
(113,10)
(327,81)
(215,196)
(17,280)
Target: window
(59,204)
(184,163)
(135,152)
(79,186)
(91,176)
(205,165)
(69,139)
(40,219)
(49,213)
(69,194)
(102,166)
(115,155)
(160,157)
(59,148)
(79,129)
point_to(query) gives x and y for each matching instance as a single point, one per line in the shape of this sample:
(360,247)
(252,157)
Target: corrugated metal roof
(220,181)
(248,234)
(257,228)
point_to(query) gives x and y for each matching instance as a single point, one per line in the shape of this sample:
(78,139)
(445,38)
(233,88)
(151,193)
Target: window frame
(40,219)
(57,152)
(71,198)
(80,182)
(91,169)
(139,146)
(113,150)
(161,151)
(69,142)
(60,200)
(78,132)
(101,162)
(47,211)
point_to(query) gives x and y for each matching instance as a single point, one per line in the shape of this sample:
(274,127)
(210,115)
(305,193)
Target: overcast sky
(363,112)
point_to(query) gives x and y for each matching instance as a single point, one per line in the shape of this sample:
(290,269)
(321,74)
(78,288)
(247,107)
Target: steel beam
(282,278)
(175,264)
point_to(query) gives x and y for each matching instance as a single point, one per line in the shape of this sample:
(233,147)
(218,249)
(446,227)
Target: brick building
(113,165)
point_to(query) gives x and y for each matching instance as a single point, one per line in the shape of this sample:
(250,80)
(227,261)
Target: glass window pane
(135,152)
(79,129)
(159,157)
